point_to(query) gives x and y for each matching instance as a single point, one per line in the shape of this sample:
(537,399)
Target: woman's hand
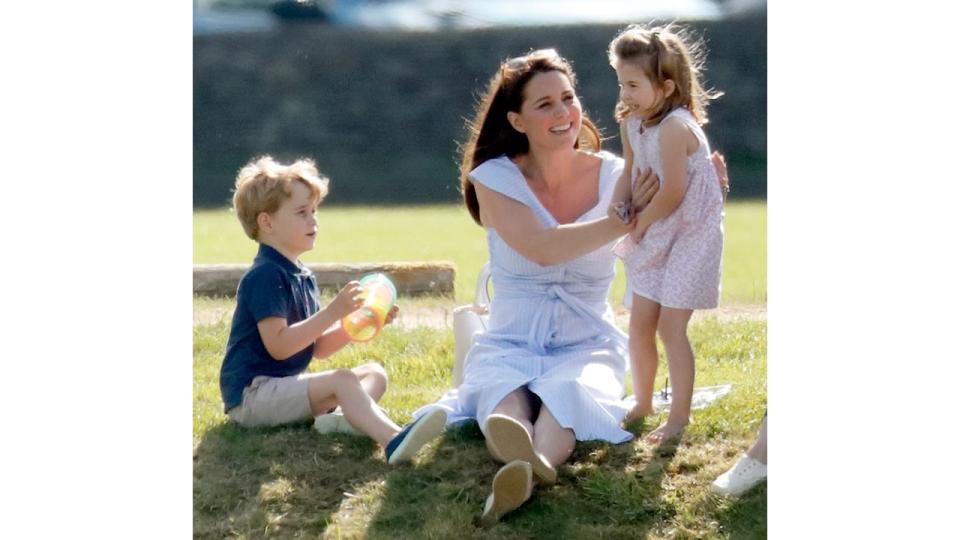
(721,166)
(647,185)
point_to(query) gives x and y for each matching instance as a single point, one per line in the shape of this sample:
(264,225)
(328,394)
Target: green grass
(291,481)
(446,232)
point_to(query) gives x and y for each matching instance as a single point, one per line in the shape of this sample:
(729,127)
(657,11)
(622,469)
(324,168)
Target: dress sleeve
(610,172)
(501,175)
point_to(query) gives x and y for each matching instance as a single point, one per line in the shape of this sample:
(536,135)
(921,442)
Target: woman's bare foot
(665,432)
(638,412)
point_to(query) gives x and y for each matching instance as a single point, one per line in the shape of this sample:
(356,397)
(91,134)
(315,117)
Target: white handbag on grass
(469,320)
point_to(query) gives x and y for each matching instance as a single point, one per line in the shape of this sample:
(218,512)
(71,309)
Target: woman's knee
(519,404)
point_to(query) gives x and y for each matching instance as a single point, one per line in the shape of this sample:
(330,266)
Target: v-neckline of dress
(526,185)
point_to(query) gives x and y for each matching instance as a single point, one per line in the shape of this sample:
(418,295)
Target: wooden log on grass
(411,278)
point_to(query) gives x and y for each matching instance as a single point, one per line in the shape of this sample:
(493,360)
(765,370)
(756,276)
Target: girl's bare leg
(644,314)
(673,333)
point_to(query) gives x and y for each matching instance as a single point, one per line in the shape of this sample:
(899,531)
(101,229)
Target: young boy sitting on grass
(279,326)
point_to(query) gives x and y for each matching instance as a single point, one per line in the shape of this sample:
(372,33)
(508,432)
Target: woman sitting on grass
(550,368)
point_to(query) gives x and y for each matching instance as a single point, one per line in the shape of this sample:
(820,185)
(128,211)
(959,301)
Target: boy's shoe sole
(512,442)
(511,488)
(415,435)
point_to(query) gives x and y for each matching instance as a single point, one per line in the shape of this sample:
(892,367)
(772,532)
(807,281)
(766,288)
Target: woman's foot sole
(512,442)
(512,486)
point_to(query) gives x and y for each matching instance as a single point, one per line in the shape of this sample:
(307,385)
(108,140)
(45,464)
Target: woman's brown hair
(490,133)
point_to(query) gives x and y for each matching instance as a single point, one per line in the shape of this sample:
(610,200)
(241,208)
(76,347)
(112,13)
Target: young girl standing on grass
(672,261)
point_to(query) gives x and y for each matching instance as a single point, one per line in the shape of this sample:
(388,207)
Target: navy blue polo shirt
(274,286)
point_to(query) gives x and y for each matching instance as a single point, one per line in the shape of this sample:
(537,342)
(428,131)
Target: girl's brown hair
(490,133)
(665,52)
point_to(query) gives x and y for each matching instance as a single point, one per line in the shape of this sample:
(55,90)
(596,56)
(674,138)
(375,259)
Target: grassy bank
(446,232)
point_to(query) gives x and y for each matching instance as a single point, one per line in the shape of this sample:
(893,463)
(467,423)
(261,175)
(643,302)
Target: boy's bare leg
(342,387)
(373,379)
(644,314)
(551,440)
(673,333)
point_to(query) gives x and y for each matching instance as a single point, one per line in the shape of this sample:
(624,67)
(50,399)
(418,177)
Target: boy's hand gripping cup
(380,296)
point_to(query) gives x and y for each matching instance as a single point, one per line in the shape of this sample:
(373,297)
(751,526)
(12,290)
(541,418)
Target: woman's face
(550,114)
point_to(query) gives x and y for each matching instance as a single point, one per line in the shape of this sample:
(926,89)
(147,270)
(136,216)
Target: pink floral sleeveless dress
(677,262)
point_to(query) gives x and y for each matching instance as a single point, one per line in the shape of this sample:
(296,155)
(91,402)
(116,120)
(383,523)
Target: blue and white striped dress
(550,327)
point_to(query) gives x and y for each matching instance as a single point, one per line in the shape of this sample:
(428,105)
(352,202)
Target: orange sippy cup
(380,295)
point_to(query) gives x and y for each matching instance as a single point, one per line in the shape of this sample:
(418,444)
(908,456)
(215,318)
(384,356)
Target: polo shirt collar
(270,254)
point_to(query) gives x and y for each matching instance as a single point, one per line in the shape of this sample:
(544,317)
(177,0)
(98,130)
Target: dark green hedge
(382,112)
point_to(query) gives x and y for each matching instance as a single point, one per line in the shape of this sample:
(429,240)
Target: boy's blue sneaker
(414,435)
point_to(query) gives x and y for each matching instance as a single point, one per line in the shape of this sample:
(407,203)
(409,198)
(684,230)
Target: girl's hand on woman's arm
(674,141)
(647,186)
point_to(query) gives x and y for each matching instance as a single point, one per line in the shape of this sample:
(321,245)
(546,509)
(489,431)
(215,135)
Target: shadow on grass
(744,516)
(600,492)
(276,481)
(442,496)
(439,494)
(621,487)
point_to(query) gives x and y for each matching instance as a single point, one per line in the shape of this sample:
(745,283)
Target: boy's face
(293,227)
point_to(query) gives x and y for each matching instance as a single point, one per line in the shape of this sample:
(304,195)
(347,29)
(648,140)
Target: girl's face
(550,114)
(637,91)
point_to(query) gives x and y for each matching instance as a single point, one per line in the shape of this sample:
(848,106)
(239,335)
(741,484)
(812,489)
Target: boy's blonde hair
(665,52)
(263,184)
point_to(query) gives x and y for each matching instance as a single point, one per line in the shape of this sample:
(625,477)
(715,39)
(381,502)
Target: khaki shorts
(273,401)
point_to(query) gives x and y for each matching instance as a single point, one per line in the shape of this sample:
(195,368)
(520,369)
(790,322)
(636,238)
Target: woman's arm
(521,230)
(674,140)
